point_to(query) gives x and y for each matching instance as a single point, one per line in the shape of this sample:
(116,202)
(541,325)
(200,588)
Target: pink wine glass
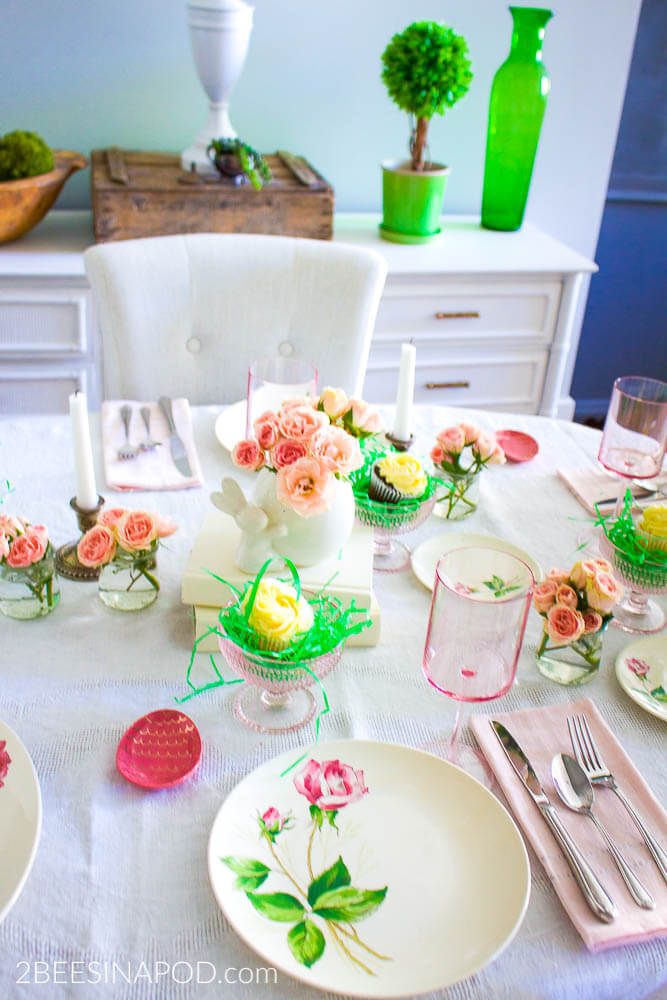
(481,598)
(273,380)
(635,431)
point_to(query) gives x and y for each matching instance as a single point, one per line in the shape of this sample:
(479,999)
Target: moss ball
(23,154)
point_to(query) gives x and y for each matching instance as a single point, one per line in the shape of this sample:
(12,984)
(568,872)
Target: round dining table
(119,889)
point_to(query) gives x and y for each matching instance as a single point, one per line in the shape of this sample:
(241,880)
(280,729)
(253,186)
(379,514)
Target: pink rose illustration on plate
(640,668)
(5,761)
(314,903)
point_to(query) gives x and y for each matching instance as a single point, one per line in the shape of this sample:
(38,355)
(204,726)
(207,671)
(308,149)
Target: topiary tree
(425,70)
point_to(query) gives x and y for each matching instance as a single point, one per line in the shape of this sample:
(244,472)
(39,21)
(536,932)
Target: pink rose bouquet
(460,452)
(576,606)
(125,541)
(27,582)
(308,444)
(355,416)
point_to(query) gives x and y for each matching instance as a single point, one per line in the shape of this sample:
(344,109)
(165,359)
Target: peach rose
(97,547)
(164,526)
(26,550)
(592,622)
(603,591)
(337,450)
(365,417)
(306,486)
(485,446)
(470,432)
(333,402)
(301,422)
(564,625)
(437,455)
(603,565)
(11,526)
(452,440)
(287,452)
(497,456)
(558,575)
(110,515)
(266,430)
(566,595)
(290,404)
(4,545)
(544,595)
(248,455)
(581,572)
(136,530)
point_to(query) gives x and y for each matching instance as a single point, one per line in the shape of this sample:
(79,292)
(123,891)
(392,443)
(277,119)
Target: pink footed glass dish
(276,698)
(388,520)
(637,612)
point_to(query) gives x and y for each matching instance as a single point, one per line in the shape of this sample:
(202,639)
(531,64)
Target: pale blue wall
(88,74)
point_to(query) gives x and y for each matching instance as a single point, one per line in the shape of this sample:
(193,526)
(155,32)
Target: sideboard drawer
(41,388)
(464,311)
(507,381)
(42,322)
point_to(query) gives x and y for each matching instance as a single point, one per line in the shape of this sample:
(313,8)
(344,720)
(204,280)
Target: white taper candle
(86,491)
(405,395)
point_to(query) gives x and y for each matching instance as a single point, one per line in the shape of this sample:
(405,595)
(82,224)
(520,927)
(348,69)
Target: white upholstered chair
(186,315)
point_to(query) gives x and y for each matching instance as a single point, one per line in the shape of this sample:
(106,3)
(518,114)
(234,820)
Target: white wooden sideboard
(492,316)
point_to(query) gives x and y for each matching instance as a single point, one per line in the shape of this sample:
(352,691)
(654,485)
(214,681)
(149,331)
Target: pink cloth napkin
(541,733)
(150,470)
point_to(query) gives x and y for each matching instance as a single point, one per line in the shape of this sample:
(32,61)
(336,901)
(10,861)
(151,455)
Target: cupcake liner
(652,541)
(380,491)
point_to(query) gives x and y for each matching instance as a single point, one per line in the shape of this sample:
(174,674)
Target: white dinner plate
(230,424)
(408,887)
(20,818)
(641,669)
(425,557)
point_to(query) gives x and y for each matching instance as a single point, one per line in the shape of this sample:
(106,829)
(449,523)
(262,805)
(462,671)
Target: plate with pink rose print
(369,869)
(641,670)
(20,817)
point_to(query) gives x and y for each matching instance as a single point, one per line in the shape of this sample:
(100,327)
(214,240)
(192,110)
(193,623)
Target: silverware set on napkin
(128,451)
(574,778)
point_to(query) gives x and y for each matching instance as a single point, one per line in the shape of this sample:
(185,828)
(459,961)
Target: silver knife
(178,453)
(596,896)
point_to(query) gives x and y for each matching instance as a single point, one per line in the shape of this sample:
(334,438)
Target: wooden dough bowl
(25,202)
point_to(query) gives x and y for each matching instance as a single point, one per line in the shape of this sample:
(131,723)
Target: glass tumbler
(271,381)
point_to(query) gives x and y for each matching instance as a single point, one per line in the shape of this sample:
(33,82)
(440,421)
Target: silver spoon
(576,791)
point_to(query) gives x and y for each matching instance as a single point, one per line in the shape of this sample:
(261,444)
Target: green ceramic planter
(412,202)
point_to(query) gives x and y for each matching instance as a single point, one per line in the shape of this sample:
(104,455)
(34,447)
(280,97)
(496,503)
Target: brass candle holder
(67,561)
(400,444)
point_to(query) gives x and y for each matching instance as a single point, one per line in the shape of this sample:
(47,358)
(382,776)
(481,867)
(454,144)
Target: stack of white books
(347,576)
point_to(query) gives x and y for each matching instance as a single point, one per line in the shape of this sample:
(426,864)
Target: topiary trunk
(418,143)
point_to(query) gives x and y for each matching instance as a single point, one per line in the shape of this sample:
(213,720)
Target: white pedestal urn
(307,540)
(219,35)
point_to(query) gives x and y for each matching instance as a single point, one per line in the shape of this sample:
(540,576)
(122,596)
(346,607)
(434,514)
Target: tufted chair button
(285,349)
(193,345)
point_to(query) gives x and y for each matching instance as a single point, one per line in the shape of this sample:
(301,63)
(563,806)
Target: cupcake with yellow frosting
(652,527)
(397,476)
(277,615)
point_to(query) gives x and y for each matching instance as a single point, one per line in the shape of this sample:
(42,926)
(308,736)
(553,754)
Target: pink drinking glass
(634,438)
(273,380)
(481,598)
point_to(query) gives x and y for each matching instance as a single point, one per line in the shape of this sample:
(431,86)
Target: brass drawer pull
(448,385)
(457,315)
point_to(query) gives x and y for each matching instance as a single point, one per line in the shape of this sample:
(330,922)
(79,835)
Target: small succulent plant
(235,158)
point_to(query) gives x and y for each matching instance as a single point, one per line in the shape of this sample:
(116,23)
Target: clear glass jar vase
(129,583)
(29,592)
(458,497)
(576,663)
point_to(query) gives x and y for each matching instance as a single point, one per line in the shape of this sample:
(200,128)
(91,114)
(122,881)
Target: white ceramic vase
(219,35)
(307,540)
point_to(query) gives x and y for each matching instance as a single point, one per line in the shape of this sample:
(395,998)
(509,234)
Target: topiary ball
(24,154)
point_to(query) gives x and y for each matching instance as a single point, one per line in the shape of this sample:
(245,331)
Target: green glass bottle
(518,99)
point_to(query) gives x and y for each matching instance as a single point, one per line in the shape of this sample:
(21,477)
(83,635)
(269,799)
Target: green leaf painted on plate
(277,905)
(659,694)
(349,903)
(251,873)
(333,878)
(306,942)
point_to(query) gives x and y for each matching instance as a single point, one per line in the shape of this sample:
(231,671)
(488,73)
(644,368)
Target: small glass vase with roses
(124,544)
(28,582)
(459,455)
(577,606)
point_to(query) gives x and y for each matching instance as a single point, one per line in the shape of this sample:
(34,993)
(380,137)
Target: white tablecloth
(120,875)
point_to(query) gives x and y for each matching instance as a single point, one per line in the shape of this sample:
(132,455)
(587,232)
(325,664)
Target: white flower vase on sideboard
(307,540)
(219,35)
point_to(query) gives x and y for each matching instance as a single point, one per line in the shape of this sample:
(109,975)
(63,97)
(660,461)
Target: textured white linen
(120,874)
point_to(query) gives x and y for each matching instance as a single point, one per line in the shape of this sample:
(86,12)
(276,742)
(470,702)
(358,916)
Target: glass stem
(453,753)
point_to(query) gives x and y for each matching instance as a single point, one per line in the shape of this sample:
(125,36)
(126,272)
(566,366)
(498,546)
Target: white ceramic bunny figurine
(257,532)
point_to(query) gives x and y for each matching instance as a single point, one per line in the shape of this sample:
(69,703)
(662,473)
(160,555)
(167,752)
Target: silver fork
(149,443)
(126,450)
(588,755)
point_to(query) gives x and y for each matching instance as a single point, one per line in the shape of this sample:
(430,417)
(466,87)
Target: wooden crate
(148,194)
